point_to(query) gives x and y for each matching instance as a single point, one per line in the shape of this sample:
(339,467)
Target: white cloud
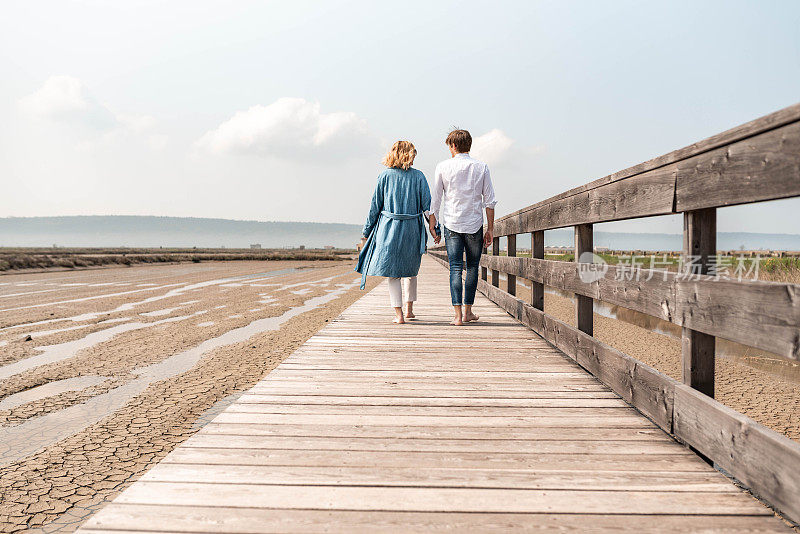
(67,100)
(289,128)
(496,148)
(492,147)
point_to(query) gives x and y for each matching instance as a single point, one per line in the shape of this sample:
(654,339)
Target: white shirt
(462,189)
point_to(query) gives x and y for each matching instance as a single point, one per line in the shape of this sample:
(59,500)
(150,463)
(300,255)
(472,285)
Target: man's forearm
(490,218)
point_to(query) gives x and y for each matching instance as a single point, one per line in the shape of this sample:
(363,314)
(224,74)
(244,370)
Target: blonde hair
(401,155)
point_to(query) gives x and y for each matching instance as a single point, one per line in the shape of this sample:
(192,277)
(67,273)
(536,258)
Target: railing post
(512,252)
(496,252)
(484,271)
(537,251)
(583,304)
(699,247)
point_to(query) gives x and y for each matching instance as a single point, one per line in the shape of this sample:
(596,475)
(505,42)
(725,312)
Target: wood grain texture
(584,305)
(765,461)
(762,164)
(511,280)
(699,249)
(537,287)
(762,459)
(765,315)
(130,518)
(374,427)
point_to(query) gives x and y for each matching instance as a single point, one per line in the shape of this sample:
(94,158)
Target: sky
(283,110)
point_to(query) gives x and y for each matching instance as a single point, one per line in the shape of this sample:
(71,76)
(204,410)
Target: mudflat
(103,372)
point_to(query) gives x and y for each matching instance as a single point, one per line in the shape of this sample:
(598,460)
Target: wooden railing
(754,162)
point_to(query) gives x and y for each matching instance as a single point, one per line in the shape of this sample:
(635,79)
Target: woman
(394,237)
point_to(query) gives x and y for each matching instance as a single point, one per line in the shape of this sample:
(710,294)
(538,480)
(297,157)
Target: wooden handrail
(758,126)
(754,162)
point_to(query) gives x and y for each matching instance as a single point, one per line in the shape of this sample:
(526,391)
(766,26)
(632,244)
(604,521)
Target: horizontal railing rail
(754,162)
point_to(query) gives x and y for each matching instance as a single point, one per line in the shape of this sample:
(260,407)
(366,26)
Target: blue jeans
(457,244)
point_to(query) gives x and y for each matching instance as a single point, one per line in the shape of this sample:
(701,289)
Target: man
(463,189)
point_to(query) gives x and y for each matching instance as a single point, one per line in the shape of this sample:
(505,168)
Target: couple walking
(394,238)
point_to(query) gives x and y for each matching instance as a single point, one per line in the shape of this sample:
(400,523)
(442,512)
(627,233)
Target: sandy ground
(767,397)
(160,313)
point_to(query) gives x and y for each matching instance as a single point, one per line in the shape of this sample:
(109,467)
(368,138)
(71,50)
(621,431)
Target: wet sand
(124,364)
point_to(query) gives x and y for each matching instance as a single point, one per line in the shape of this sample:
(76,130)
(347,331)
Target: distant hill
(147,231)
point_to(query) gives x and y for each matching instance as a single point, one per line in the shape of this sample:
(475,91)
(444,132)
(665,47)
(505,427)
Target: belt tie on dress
(398,217)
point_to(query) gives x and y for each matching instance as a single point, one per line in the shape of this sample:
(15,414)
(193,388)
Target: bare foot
(399,320)
(470,317)
(457,322)
(410,315)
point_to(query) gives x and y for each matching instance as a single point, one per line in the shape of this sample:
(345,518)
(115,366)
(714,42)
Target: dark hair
(461,140)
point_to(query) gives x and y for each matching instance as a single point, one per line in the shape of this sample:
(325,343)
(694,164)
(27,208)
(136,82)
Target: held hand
(363,240)
(436,238)
(487,238)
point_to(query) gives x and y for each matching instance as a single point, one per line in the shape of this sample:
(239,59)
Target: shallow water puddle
(68,349)
(157,313)
(28,293)
(93,297)
(43,333)
(196,287)
(25,439)
(50,389)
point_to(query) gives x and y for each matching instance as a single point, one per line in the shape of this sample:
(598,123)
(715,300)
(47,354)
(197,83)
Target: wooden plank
(511,280)
(495,252)
(773,121)
(597,392)
(440,459)
(484,274)
(699,249)
(765,315)
(762,167)
(232,440)
(435,432)
(355,400)
(615,421)
(438,499)
(355,372)
(393,387)
(428,411)
(644,195)
(537,252)
(248,520)
(762,459)
(584,306)
(433,477)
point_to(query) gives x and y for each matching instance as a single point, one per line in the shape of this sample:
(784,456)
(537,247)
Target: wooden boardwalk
(372,427)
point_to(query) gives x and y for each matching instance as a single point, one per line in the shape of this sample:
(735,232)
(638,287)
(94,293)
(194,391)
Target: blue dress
(395,228)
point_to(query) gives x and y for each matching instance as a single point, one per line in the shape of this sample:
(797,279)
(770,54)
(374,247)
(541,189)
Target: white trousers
(396,291)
